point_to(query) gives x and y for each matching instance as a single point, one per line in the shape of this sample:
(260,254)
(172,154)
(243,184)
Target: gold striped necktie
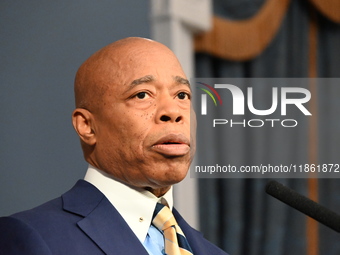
(174,239)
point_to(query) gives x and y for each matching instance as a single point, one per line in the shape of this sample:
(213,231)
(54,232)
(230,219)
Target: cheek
(144,118)
(135,129)
(129,128)
(138,123)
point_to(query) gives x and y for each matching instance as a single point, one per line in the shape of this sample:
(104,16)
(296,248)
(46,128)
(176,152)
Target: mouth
(172,145)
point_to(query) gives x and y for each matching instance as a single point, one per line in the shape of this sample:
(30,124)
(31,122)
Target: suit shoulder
(42,213)
(17,237)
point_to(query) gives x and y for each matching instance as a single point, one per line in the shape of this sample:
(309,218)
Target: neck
(158,192)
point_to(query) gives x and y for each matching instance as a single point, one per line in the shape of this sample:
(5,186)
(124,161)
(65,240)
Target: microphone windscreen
(304,205)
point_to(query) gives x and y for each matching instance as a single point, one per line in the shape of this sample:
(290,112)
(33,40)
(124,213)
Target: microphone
(304,205)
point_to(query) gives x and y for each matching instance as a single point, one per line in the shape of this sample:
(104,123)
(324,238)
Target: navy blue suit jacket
(82,221)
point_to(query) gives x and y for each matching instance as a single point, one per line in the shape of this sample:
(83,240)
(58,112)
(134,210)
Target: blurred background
(44,42)
(42,45)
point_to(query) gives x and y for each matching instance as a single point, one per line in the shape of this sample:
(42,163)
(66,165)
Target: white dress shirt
(135,205)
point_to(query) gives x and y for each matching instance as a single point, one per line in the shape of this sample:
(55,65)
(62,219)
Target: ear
(83,124)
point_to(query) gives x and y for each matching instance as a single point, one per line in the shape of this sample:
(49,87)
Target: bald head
(133,114)
(109,66)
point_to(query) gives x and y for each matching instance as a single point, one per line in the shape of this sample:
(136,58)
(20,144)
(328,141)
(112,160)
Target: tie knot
(163,217)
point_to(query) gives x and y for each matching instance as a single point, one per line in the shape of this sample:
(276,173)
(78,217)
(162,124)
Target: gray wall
(42,44)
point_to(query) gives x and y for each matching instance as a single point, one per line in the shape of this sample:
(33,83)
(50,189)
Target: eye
(183,95)
(141,95)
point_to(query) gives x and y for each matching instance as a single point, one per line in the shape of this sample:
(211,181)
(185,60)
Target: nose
(169,111)
(167,117)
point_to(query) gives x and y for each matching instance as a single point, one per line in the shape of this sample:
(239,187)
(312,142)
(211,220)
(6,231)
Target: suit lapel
(109,231)
(101,223)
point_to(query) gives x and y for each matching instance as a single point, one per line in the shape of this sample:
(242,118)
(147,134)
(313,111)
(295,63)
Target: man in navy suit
(133,118)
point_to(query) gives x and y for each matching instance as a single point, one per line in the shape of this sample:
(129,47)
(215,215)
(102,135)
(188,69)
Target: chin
(175,176)
(169,173)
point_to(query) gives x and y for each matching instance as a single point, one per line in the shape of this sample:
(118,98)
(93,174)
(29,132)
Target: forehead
(149,67)
(114,69)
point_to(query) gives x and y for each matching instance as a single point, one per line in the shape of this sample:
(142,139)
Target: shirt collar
(135,205)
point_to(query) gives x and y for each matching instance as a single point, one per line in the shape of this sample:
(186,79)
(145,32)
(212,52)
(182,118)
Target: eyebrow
(144,79)
(149,78)
(182,80)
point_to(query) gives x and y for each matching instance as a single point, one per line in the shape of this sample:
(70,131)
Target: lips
(172,145)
